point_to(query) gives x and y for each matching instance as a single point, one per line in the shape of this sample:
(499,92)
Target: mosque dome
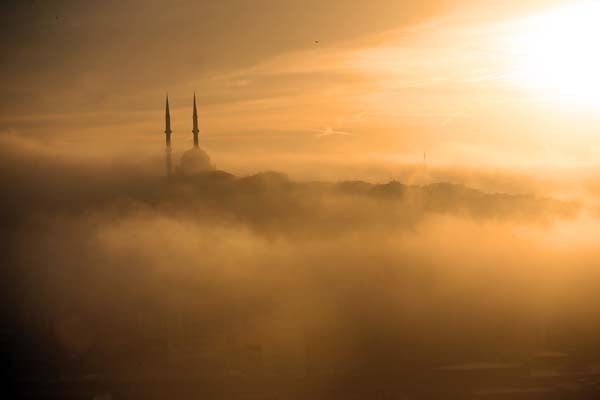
(195,161)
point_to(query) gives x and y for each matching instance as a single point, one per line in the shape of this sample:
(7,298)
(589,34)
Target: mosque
(195,160)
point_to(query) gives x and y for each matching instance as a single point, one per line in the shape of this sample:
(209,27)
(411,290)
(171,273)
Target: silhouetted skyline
(389,200)
(193,161)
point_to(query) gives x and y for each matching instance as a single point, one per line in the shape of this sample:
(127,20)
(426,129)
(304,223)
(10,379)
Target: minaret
(195,121)
(168,132)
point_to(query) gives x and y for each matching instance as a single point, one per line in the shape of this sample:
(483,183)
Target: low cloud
(112,264)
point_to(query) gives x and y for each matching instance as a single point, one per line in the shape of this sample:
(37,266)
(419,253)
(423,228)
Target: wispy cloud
(329,131)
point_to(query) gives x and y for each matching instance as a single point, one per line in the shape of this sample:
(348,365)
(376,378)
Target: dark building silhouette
(195,160)
(168,132)
(195,130)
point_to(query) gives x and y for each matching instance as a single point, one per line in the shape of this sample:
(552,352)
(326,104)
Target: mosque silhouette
(193,161)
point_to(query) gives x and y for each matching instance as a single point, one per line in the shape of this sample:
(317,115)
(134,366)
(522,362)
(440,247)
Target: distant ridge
(440,197)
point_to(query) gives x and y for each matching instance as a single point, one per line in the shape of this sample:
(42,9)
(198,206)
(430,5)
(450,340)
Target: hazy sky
(462,117)
(467,82)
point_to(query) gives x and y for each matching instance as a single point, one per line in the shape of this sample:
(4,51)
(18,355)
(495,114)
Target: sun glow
(557,54)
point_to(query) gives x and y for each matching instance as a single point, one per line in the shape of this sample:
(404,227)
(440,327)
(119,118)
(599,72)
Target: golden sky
(426,150)
(476,83)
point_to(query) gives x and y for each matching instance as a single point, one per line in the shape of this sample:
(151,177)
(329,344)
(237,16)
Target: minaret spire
(195,123)
(168,132)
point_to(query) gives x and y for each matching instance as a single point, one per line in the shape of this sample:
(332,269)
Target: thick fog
(110,264)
